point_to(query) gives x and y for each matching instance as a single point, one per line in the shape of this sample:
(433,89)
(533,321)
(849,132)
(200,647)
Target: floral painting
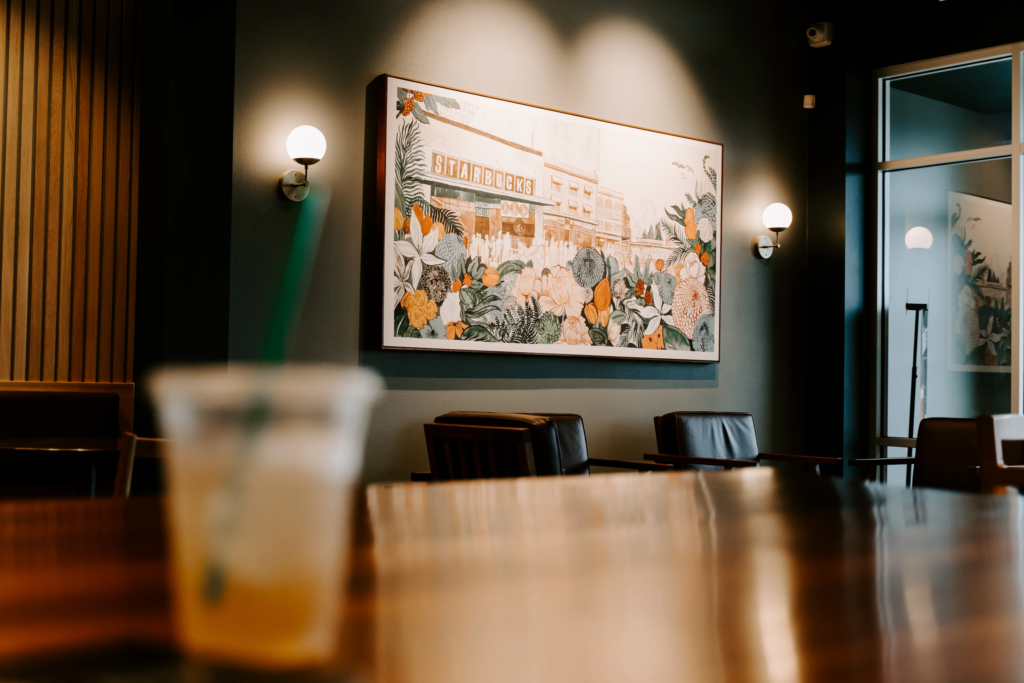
(981,267)
(517,229)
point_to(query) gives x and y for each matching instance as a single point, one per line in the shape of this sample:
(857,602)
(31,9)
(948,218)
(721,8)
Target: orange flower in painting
(405,226)
(691,225)
(417,95)
(490,277)
(659,264)
(655,340)
(590,310)
(407,109)
(640,288)
(705,257)
(399,221)
(426,223)
(648,298)
(456,285)
(419,307)
(697,248)
(603,295)
(455,330)
(467,280)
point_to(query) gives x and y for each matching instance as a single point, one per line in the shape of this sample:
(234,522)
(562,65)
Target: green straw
(257,414)
(297,270)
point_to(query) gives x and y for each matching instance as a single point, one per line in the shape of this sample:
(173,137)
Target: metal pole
(913,389)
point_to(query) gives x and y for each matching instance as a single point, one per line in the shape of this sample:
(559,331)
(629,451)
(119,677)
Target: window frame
(879,440)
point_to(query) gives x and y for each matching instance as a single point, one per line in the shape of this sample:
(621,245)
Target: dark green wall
(732,72)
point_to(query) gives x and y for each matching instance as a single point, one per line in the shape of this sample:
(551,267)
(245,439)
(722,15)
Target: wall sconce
(777,218)
(918,238)
(305,145)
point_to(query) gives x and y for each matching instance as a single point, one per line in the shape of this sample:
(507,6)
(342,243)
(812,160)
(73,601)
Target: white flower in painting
(403,272)
(707,231)
(654,313)
(614,332)
(986,337)
(693,267)
(418,251)
(451,309)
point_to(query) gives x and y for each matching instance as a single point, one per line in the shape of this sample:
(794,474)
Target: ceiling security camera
(820,34)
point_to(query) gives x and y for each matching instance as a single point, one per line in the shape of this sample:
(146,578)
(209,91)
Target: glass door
(948,183)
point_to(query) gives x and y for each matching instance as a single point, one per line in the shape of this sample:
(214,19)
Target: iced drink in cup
(261,466)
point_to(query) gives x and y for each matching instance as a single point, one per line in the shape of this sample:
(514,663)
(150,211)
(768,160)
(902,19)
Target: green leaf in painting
(511,267)
(411,331)
(599,336)
(399,197)
(674,339)
(428,101)
(478,333)
(401,321)
(618,317)
(420,116)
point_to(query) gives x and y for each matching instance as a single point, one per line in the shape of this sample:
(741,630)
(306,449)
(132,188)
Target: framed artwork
(517,229)
(980,268)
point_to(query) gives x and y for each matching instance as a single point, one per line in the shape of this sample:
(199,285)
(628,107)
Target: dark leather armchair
(947,456)
(558,442)
(708,441)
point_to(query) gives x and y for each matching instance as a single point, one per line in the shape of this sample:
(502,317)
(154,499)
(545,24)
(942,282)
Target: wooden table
(741,576)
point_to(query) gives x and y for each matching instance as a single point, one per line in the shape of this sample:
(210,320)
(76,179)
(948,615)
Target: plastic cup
(261,466)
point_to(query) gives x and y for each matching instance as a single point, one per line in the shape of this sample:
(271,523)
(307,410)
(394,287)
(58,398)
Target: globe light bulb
(306,145)
(918,238)
(777,217)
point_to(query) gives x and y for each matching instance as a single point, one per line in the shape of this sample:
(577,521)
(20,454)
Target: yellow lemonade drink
(259,512)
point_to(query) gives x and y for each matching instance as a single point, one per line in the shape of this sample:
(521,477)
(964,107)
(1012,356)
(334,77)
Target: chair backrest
(947,455)
(38,425)
(558,439)
(707,435)
(58,414)
(462,452)
(1000,446)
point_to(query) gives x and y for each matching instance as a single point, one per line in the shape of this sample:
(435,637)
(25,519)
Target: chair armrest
(421,476)
(806,459)
(882,461)
(693,460)
(639,465)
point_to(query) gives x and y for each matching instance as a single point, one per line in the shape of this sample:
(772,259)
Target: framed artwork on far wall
(980,269)
(512,228)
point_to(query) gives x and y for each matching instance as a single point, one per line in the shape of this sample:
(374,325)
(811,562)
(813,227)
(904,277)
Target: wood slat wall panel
(25,164)
(58,39)
(37,276)
(69,75)
(67,202)
(12,118)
